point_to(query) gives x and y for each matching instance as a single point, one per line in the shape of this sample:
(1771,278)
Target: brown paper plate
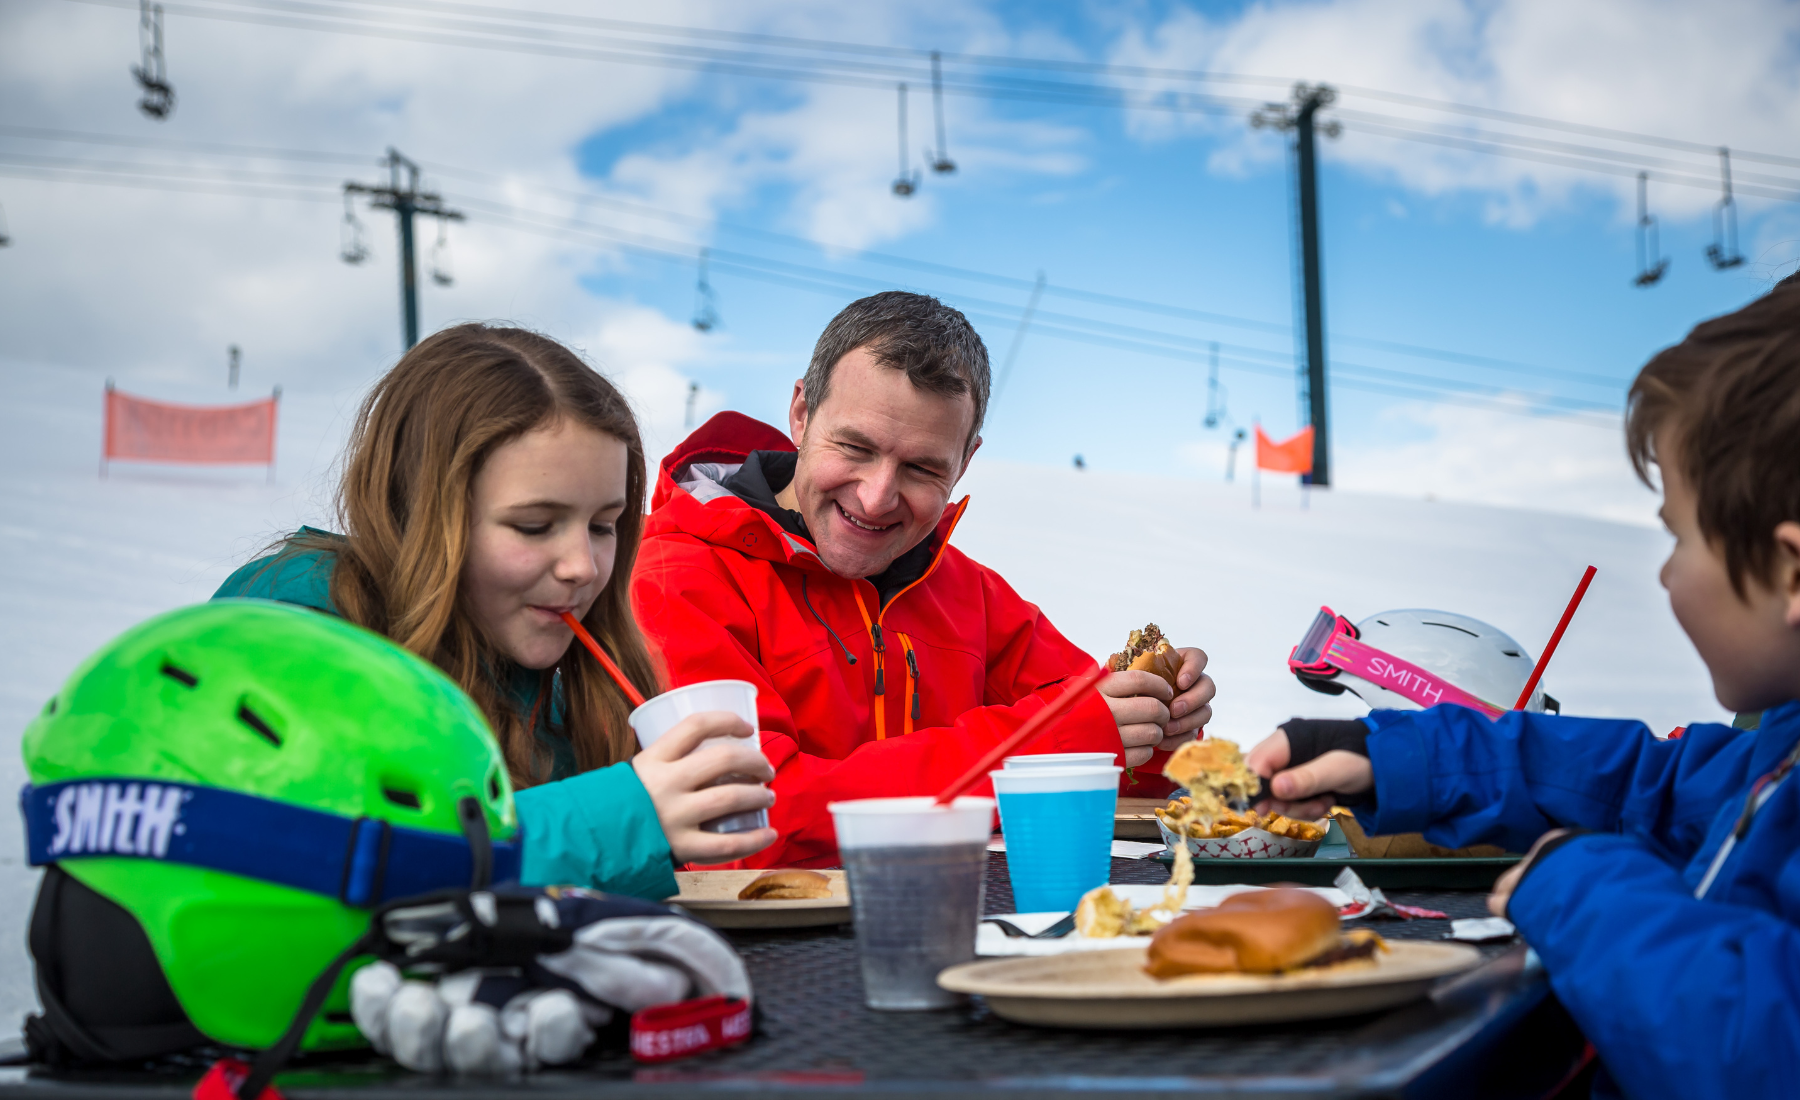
(1135,818)
(1109,989)
(712,896)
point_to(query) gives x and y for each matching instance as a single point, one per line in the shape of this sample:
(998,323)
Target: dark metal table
(1493,1032)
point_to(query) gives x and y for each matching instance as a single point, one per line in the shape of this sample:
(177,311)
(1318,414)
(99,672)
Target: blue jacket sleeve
(1462,778)
(597,829)
(1682,998)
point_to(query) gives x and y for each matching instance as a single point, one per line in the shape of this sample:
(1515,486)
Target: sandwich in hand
(1259,932)
(788,885)
(1214,773)
(1147,650)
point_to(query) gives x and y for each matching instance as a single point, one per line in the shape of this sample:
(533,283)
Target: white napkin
(1121,849)
(1481,929)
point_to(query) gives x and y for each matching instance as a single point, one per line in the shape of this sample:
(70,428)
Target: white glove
(627,963)
(432,1027)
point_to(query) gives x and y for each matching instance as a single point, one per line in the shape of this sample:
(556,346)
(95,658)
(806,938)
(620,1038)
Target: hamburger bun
(789,885)
(1147,650)
(1259,932)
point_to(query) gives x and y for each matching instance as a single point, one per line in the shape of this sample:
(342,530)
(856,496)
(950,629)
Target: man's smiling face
(878,459)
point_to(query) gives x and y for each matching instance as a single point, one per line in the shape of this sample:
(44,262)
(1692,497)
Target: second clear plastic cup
(917,874)
(1058,824)
(658,714)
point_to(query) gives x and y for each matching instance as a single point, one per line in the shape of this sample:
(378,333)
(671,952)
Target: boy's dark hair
(1726,401)
(935,345)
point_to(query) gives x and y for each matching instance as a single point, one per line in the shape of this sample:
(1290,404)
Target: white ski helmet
(1480,659)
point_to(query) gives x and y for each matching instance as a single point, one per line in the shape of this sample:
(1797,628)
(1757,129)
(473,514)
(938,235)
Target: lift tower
(1300,117)
(405,200)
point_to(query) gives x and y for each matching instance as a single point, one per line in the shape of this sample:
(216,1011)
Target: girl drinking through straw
(492,482)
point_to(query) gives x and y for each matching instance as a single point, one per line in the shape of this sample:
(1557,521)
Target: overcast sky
(142,257)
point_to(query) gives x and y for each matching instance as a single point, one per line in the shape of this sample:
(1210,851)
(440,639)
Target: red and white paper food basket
(1249,844)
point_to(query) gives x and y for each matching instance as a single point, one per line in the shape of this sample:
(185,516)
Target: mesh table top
(815,1035)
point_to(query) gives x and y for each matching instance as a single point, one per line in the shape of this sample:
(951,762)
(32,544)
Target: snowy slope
(83,558)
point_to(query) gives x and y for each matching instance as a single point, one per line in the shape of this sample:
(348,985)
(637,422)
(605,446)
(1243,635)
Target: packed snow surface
(83,557)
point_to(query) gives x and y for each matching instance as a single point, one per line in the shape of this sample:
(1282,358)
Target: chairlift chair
(1651,262)
(905,183)
(940,162)
(441,273)
(1723,252)
(706,313)
(352,249)
(151,74)
(1215,393)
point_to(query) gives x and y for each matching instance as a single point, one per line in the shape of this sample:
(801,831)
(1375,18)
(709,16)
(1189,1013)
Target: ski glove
(514,979)
(1311,738)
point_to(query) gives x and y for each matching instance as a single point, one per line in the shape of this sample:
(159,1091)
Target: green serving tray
(1319,869)
(1462,873)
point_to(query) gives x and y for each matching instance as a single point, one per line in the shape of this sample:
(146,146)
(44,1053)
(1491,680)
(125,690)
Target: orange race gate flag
(141,430)
(1293,455)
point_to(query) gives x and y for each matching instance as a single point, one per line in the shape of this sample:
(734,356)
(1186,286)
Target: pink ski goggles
(1331,646)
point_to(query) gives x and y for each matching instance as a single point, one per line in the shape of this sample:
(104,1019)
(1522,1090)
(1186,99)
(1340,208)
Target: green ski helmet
(246,780)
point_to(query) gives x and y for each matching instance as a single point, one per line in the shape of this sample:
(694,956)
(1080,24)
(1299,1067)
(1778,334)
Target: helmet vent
(493,785)
(409,799)
(180,675)
(1509,653)
(250,718)
(1447,626)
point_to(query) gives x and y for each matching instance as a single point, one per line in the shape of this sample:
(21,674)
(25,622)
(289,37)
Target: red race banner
(138,429)
(1292,455)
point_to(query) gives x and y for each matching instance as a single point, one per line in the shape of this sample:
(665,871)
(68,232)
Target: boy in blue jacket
(1662,886)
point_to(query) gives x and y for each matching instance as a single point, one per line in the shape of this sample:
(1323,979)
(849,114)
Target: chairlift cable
(1070,293)
(347,11)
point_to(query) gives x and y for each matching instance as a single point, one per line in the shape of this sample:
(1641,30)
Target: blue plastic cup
(1058,824)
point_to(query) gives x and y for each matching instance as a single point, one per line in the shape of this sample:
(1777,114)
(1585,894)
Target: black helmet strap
(270,1061)
(473,820)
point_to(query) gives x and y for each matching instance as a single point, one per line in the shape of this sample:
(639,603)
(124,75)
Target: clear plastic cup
(1058,824)
(658,714)
(1061,760)
(917,874)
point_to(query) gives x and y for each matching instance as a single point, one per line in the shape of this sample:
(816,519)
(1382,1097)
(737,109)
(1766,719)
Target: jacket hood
(726,439)
(690,498)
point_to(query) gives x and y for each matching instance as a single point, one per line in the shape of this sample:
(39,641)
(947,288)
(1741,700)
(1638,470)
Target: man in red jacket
(819,567)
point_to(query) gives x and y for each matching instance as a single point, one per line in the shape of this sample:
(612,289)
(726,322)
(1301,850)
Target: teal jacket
(596,829)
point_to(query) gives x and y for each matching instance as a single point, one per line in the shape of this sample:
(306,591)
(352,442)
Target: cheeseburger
(1147,650)
(1259,932)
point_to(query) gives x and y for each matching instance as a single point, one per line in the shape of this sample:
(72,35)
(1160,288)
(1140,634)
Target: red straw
(632,693)
(1033,726)
(1537,671)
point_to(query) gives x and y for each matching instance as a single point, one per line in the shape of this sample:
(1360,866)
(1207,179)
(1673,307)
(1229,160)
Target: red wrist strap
(222,1080)
(666,1032)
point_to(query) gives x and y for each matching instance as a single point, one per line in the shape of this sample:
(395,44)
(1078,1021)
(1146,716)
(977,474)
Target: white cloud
(1720,73)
